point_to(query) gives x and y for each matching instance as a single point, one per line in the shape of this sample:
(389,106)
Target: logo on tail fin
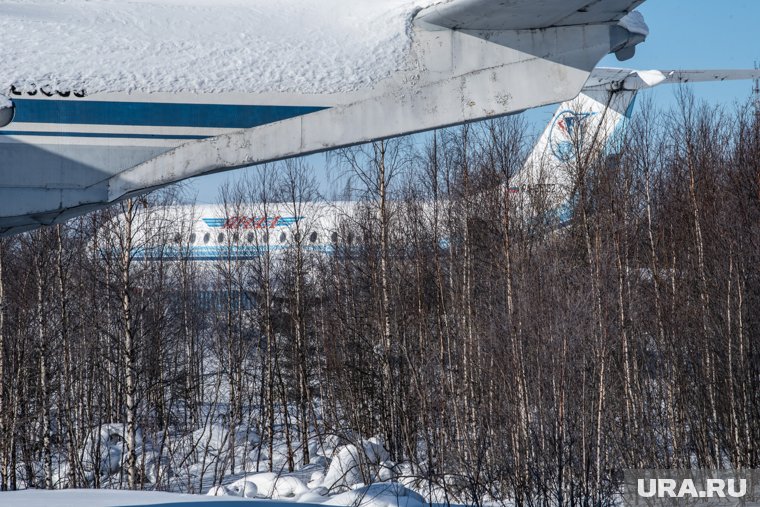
(567,130)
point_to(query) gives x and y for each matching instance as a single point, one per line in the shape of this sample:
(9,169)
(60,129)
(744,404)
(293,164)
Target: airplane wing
(605,78)
(66,151)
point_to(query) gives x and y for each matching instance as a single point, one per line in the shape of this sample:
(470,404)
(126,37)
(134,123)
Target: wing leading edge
(525,14)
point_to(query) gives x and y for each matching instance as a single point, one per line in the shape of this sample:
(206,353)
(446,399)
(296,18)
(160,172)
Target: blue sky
(684,34)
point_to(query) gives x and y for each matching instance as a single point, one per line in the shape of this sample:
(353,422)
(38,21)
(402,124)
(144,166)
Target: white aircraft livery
(156,94)
(248,232)
(602,109)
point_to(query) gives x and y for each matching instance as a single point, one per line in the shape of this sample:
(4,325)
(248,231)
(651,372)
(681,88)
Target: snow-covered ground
(369,497)
(342,471)
(302,46)
(377,495)
(339,480)
(345,468)
(109,498)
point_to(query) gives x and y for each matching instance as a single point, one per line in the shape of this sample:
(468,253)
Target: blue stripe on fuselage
(214,222)
(156,114)
(221,252)
(96,135)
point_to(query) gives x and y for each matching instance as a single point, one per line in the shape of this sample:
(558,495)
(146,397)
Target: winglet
(630,31)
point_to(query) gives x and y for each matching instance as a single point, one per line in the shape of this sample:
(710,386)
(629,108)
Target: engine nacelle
(7,110)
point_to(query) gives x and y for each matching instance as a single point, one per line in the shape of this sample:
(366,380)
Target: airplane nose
(7,110)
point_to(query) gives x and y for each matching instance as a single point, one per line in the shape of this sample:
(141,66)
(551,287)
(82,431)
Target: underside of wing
(525,14)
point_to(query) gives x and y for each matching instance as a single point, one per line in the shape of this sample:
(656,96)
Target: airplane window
(334,237)
(266,236)
(350,238)
(220,238)
(192,238)
(206,237)
(177,238)
(297,237)
(313,237)
(236,237)
(249,237)
(283,237)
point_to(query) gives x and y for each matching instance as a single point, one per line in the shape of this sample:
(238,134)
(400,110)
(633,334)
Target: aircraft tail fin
(592,124)
(583,127)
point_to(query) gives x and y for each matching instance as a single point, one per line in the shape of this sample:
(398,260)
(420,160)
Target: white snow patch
(651,77)
(375,450)
(108,445)
(381,494)
(384,494)
(5,102)
(100,498)
(203,45)
(220,491)
(249,490)
(634,23)
(345,468)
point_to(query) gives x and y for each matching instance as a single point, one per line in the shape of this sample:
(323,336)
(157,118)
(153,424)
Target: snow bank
(203,45)
(284,487)
(107,446)
(267,485)
(5,102)
(377,495)
(345,468)
(358,474)
(381,494)
(102,498)
(343,483)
